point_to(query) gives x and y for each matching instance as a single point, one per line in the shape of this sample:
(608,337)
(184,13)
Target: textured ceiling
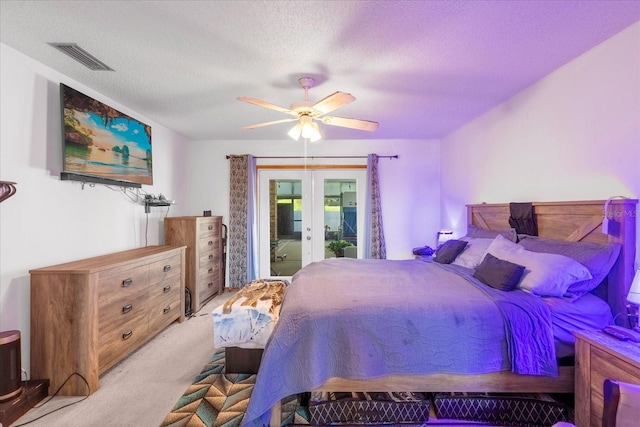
(420,68)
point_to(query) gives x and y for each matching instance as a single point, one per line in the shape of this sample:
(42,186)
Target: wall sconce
(605,221)
(444,235)
(633,298)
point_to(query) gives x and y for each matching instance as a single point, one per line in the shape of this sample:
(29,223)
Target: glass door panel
(340,217)
(301,212)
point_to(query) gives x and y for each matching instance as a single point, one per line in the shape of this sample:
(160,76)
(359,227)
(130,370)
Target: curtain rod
(395,156)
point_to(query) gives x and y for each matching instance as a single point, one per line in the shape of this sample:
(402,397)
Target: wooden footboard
(501,382)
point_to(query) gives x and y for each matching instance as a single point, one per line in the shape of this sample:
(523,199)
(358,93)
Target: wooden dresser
(203,238)
(598,357)
(88,315)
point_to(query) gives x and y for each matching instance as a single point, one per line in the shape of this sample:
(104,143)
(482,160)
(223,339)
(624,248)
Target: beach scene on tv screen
(101,141)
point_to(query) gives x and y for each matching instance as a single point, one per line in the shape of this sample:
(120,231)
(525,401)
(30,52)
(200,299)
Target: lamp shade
(444,235)
(633,296)
(295,131)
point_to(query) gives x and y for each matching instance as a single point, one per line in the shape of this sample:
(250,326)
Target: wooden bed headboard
(579,221)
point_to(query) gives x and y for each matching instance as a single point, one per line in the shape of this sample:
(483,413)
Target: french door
(301,211)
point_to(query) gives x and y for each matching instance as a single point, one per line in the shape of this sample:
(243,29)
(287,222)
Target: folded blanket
(247,319)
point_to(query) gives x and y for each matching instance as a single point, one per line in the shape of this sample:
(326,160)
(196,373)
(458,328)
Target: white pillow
(473,253)
(545,274)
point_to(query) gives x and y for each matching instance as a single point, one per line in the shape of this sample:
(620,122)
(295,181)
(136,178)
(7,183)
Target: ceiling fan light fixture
(311,131)
(295,131)
(305,112)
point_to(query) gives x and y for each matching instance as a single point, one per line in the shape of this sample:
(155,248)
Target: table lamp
(444,235)
(633,298)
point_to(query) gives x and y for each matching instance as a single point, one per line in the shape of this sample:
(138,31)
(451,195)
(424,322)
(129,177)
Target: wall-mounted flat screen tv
(103,145)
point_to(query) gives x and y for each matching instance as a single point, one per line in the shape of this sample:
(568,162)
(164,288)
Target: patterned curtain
(374,247)
(241,250)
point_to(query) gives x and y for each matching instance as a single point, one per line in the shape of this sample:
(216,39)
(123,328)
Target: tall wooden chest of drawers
(203,238)
(88,315)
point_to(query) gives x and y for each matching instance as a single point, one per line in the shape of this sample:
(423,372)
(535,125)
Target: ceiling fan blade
(266,104)
(350,123)
(269,123)
(332,102)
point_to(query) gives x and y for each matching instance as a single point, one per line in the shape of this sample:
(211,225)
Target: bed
(413,346)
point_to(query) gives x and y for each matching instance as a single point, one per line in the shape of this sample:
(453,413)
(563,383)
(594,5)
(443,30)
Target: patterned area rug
(218,399)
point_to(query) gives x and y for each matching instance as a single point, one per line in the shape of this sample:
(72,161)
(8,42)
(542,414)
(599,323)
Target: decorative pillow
(473,253)
(598,258)
(498,273)
(545,274)
(449,251)
(509,233)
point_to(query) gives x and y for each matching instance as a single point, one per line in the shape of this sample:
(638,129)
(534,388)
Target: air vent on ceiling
(82,56)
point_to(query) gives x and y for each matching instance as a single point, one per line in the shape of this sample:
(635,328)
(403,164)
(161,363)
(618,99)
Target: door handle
(308,237)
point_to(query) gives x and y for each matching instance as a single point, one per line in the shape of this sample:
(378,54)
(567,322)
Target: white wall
(49,221)
(574,135)
(410,185)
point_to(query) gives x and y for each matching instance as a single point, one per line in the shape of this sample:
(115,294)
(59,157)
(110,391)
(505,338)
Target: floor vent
(82,56)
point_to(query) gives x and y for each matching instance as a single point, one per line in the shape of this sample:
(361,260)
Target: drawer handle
(210,284)
(210,227)
(166,268)
(211,270)
(210,243)
(127,308)
(127,282)
(127,334)
(166,289)
(166,310)
(211,256)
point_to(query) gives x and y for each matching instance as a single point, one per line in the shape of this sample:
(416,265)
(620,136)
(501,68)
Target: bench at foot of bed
(242,360)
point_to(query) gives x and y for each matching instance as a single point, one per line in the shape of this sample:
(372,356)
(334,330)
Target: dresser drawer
(122,340)
(208,258)
(165,269)
(208,244)
(160,315)
(207,280)
(212,271)
(121,310)
(209,226)
(209,285)
(169,288)
(114,284)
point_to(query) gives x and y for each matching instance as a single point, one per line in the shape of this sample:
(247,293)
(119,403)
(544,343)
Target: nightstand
(600,356)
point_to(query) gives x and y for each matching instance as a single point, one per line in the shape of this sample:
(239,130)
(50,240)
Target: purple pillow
(597,257)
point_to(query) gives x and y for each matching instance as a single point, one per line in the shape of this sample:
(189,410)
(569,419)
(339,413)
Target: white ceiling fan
(306,113)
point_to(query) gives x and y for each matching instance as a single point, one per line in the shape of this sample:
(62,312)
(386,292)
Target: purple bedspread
(359,319)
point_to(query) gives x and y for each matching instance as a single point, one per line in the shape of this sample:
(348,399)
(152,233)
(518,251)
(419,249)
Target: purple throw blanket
(369,318)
